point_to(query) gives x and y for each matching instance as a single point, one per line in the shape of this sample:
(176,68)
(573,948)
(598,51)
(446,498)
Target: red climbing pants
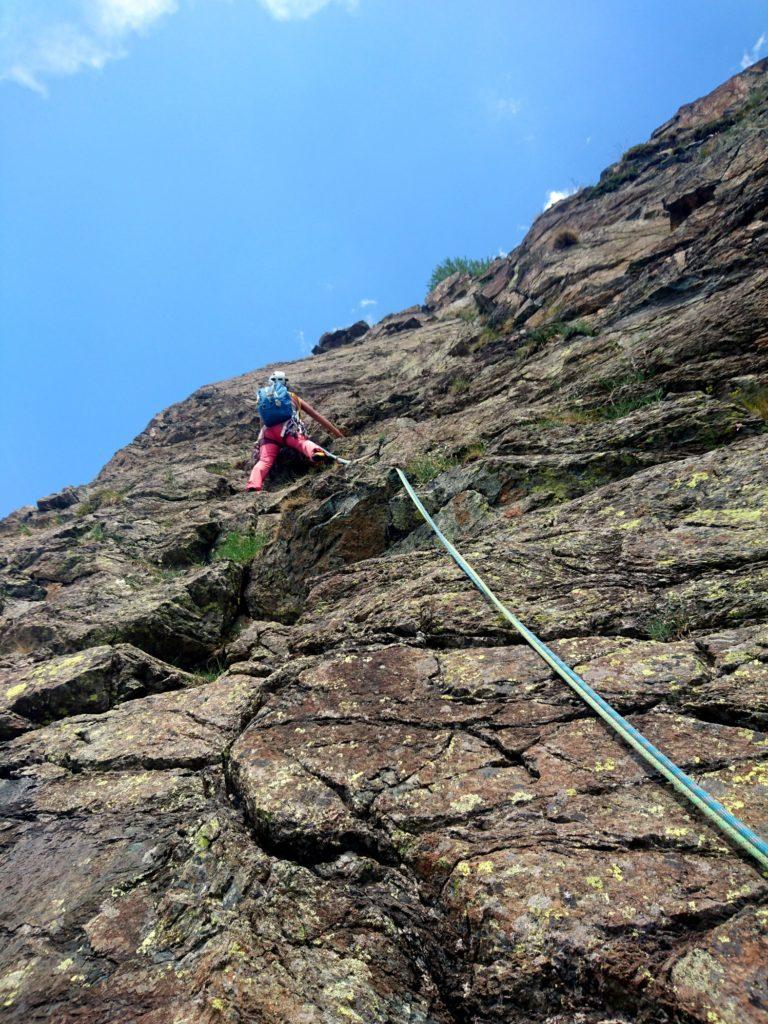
(271,441)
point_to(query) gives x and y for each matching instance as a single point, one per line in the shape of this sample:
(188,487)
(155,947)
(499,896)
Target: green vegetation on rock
(459,385)
(753,399)
(625,395)
(459,264)
(560,327)
(622,406)
(212,672)
(99,499)
(426,467)
(612,181)
(241,547)
(472,452)
(671,622)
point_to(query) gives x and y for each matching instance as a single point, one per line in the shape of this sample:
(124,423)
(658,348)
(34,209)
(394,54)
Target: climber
(280,411)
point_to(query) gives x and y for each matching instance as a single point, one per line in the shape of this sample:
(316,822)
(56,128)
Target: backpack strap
(294,425)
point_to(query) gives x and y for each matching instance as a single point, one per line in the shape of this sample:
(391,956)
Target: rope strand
(735,829)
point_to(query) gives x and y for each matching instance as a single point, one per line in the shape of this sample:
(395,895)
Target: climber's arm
(307,408)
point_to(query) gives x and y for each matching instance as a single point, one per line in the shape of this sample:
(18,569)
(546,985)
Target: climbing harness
(722,818)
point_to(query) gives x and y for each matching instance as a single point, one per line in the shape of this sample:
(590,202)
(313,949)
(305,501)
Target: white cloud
(359,311)
(116,16)
(503,107)
(286,10)
(750,56)
(44,39)
(41,39)
(555,196)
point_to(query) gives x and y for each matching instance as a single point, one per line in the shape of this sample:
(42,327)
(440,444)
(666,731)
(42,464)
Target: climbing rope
(336,458)
(722,818)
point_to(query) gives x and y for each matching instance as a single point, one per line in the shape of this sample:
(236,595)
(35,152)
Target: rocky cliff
(276,761)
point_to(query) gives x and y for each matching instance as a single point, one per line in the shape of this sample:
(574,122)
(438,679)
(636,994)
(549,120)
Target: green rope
(735,829)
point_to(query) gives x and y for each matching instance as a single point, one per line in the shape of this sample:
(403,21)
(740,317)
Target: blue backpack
(275,405)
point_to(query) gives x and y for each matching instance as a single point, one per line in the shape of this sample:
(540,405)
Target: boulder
(344,336)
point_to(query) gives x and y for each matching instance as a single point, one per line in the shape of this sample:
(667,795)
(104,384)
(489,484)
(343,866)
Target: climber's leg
(307,447)
(268,452)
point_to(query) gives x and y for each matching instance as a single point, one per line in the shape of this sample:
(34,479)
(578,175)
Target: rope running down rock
(735,829)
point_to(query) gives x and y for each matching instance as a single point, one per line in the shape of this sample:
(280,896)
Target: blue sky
(193,188)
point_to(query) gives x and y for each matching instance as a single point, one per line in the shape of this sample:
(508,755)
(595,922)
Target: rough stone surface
(330,784)
(344,336)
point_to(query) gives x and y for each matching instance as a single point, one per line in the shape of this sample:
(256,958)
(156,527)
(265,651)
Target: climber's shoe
(253,487)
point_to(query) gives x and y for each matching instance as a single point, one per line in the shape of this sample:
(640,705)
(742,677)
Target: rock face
(276,761)
(344,336)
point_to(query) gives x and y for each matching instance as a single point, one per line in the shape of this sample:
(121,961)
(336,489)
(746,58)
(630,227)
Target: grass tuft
(241,547)
(672,623)
(485,337)
(459,385)
(99,499)
(468,314)
(545,332)
(460,264)
(753,399)
(215,667)
(426,467)
(639,152)
(625,395)
(579,328)
(611,181)
(565,239)
(472,452)
(564,418)
(619,407)
(559,327)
